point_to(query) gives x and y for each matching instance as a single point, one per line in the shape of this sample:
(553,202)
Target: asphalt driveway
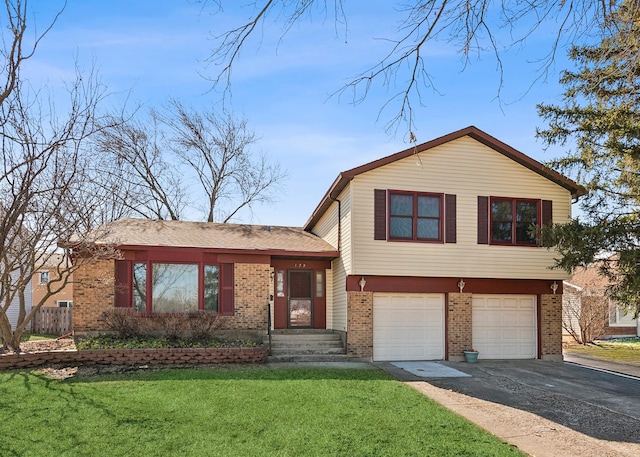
(543,408)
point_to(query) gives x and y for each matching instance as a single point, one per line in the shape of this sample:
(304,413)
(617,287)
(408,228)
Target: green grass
(622,351)
(252,411)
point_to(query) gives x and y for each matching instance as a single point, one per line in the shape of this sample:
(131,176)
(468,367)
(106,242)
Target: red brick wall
(251,295)
(360,324)
(459,324)
(551,326)
(93,293)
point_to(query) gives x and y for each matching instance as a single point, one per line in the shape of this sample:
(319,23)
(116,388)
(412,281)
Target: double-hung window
(514,221)
(415,216)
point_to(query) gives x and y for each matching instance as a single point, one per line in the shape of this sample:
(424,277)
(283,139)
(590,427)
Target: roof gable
(473,132)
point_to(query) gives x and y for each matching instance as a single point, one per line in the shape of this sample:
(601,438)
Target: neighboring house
(415,256)
(589,284)
(45,274)
(14,307)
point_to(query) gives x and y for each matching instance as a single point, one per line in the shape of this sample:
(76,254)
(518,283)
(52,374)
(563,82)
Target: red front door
(299,294)
(300,299)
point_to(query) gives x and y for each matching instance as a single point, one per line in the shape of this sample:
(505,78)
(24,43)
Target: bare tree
(472,27)
(216,148)
(43,194)
(153,164)
(585,314)
(133,167)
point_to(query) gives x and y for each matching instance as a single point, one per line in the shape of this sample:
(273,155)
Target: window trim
(415,218)
(224,309)
(514,239)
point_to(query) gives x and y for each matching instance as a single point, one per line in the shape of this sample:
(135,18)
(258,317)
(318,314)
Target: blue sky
(147,51)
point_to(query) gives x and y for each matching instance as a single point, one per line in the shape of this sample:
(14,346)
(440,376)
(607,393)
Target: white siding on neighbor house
(14,307)
(327,229)
(468,169)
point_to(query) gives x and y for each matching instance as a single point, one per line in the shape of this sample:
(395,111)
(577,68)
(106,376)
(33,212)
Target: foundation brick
(459,324)
(360,324)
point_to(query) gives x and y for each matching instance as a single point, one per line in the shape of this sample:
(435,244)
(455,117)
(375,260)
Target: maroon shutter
(123,284)
(226,289)
(450,231)
(380,214)
(483,220)
(547,219)
(547,212)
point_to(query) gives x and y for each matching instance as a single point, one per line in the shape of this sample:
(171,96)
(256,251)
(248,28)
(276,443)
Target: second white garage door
(504,326)
(408,326)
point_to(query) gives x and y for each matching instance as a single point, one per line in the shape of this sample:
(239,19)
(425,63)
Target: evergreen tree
(601,118)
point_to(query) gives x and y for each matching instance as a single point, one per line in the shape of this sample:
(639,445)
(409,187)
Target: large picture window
(513,221)
(163,287)
(415,216)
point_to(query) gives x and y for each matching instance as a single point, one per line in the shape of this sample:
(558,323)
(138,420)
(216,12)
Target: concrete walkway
(612,367)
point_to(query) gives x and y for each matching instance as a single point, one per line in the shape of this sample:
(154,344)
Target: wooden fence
(54,321)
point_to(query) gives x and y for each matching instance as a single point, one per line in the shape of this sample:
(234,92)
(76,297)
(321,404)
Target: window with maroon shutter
(226,289)
(450,228)
(380,214)
(547,219)
(174,287)
(483,220)
(123,284)
(414,216)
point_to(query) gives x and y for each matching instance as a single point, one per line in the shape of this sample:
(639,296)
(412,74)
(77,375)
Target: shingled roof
(263,239)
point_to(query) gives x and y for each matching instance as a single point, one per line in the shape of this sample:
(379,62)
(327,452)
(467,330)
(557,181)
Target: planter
(471,356)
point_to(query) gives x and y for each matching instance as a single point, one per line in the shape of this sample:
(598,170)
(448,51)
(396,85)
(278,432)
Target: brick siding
(251,296)
(551,326)
(360,324)
(459,324)
(94,292)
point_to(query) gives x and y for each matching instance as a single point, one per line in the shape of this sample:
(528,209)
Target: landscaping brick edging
(128,357)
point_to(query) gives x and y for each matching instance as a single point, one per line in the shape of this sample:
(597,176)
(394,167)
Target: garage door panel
(504,326)
(408,326)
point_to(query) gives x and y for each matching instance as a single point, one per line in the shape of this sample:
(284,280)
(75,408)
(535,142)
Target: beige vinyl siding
(466,168)
(327,229)
(328,278)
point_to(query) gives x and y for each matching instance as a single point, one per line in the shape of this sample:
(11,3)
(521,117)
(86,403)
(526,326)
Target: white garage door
(504,326)
(408,326)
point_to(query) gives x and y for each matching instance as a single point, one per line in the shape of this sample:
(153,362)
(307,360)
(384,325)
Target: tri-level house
(416,256)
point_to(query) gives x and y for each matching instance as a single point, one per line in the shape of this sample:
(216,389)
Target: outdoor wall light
(461,284)
(362,282)
(554,286)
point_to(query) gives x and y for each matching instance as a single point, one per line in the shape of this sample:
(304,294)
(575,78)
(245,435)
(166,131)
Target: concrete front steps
(306,345)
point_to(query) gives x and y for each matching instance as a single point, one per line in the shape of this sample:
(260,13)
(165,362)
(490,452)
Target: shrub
(126,323)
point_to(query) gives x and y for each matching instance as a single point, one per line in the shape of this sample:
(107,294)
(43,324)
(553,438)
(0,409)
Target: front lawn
(622,351)
(251,411)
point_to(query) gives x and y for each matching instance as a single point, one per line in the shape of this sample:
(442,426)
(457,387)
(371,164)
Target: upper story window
(512,221)
(415,216)
(43,277)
